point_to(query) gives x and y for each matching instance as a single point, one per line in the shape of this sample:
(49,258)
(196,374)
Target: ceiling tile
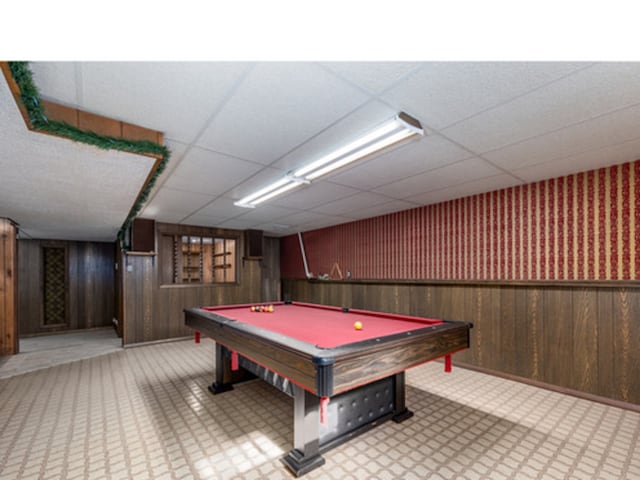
(328,221)
(176,202)
(209,172)
(56,81)
(445,177)
(279,106)
(383,209)
(163,216)
(222,207)
(591,160)
(237,224)
(275,229)
(609,129)
(349,204)
(265,213)
(429,152)
(198,219)
(176,148)
(309,219)
(442,93)
(467,189)
(176,98)
(374,77)
(314,195)
(586,94)
(177,151)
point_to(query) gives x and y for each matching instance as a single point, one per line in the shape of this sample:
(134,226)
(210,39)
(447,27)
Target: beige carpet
(50,350)
(146,413)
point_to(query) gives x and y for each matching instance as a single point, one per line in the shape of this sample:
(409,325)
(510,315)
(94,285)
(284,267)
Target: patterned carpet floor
(146,412)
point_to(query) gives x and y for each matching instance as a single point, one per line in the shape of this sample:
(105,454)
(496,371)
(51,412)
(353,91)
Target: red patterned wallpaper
(579,227)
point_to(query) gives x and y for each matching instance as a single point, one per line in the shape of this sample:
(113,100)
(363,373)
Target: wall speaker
(253,243)
(143,235)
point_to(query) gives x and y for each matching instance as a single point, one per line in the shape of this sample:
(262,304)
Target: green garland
(39,121)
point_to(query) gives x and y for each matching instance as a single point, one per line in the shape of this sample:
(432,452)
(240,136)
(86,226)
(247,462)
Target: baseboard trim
(157,342)
(62,332)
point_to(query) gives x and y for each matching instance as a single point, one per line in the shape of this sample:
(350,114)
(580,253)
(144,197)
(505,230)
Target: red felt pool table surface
(323,326)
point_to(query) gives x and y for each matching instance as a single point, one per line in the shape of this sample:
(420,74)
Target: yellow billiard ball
(357,325)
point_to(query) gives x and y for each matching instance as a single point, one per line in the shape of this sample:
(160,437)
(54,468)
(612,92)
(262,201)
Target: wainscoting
(581,336)
(150,310)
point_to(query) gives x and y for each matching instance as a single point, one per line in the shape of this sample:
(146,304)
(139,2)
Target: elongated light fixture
(400,128)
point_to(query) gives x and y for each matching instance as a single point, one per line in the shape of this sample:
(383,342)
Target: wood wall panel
(633,344)
(606,332)
(578,337)
(8,288)
(626,338)
(271,270)
(90,288)
(507,324)
(29,286)
(153,307)
(585,339)
(555,330)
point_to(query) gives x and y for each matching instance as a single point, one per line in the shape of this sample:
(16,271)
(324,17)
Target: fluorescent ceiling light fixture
(400,128)
(285,188)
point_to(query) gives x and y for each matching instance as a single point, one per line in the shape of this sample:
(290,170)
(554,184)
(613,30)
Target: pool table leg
(226,376)
(223,382)
(402,412)
(305,455)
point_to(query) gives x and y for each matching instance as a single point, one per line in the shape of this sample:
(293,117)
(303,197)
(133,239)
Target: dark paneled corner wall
(576,336)
(153,311)
(89,285)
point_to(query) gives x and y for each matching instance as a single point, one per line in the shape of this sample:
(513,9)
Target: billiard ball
(270,309)
(357,325)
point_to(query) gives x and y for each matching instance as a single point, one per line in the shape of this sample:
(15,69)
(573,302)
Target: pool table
(344,380)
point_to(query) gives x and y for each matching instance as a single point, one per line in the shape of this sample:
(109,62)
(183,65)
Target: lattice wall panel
(54,285)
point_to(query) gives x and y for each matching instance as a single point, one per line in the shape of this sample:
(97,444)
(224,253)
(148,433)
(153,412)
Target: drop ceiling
(233,127)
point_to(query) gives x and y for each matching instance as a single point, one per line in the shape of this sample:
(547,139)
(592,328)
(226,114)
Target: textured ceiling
(234,127)
(58,189)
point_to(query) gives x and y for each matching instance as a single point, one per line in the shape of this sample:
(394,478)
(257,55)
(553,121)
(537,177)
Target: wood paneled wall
(90,274)
(271,270)
(580,336)
(153,311)
(8,288)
